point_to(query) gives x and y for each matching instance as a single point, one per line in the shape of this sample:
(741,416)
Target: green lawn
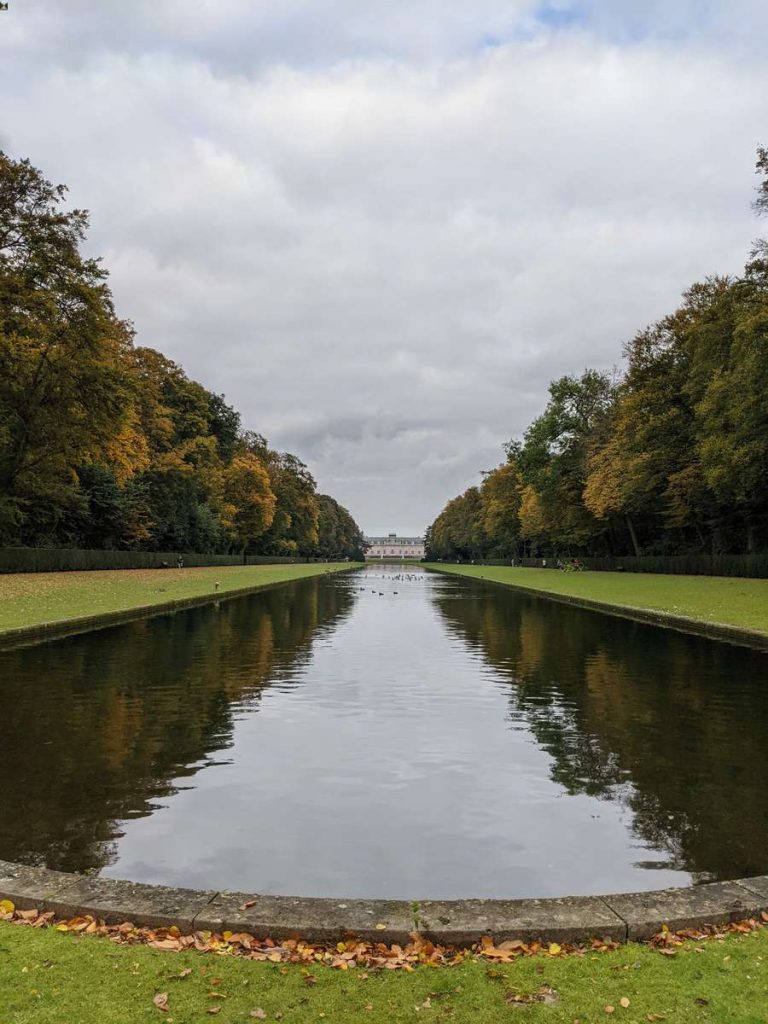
(50,978)
(30,599)
(719,599)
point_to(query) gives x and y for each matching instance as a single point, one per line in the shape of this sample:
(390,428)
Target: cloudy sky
(381,228)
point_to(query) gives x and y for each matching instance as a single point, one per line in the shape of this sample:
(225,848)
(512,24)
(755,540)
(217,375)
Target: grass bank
(37,599)
(51,978)
(716,600)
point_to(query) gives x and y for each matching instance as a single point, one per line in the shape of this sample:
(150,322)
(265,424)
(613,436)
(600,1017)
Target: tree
(294,527)
(65,391)
(338,534)
(501,497)
(553,459)
(249,503)
(673,458)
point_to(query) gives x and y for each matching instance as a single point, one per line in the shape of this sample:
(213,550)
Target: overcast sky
(381,228)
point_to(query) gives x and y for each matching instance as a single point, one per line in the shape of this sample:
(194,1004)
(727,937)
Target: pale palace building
(393,546)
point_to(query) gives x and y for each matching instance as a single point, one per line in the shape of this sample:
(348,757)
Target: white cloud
(383,239)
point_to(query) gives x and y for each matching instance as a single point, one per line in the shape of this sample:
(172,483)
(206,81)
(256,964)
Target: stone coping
(23,635)
(682,623)
(622,917)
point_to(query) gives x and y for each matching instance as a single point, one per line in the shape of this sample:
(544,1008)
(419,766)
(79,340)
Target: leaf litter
(353,952)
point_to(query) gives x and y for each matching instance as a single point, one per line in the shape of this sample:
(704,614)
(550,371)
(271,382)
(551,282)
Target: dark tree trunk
(633,535)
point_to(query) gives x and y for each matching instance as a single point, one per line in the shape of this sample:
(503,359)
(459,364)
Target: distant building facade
(393,546)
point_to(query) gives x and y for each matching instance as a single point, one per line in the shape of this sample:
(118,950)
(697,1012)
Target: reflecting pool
(387,732)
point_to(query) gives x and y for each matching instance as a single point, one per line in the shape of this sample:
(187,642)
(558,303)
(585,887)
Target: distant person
(180,562)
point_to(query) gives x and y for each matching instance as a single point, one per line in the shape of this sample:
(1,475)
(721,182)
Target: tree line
(668,457)
(107,444)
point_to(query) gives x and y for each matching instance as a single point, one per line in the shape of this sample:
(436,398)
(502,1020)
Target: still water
(386,734)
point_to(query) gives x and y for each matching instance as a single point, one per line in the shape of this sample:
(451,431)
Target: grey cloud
(382,261)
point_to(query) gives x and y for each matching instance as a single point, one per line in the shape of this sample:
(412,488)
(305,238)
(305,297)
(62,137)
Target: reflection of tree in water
(671,725)
(97,727)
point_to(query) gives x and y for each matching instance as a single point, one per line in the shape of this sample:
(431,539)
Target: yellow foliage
(532,519)
(127,453)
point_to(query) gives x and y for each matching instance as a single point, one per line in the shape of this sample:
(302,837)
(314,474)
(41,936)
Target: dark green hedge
(755,566)
(69,559)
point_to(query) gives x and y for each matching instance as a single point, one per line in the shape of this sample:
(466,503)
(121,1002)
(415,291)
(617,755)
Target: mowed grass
(30,599)
(50,978)
(725,600)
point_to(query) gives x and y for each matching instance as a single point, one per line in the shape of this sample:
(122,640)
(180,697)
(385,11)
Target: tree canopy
(106,444)
(671,457)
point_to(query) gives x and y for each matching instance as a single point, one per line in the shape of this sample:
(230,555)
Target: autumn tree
(673,458)
(554,456)
(501,498)
(248,508)
(105,444)
(339,536)
(65,390)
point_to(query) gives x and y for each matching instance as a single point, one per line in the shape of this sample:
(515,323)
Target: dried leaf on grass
(161,1001)
(352,952)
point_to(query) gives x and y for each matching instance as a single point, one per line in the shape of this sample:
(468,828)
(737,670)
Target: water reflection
(386,734)
(671,726)
(98,728)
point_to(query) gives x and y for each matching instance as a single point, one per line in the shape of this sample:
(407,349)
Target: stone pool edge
(682,623)
(622,917)
(21,635)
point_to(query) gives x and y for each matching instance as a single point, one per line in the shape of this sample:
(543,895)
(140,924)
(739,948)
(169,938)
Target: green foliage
(672,459)
(108,445)
(339,535)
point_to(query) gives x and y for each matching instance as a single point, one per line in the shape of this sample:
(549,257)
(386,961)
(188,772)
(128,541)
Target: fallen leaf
(213,1009)
(610,1009)
(258,1014)
(168,944)
(185,973)
(7,907)
(554,949)
(624,1002)
(380,927)
(161,1001)
(248,904)
(700,1001)
(652,1017)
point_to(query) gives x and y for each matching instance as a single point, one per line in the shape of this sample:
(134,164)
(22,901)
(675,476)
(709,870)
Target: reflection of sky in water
(423,738)
(391,770)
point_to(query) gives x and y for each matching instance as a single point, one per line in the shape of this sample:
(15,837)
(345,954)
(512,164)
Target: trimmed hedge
(72,559)
(753,566)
